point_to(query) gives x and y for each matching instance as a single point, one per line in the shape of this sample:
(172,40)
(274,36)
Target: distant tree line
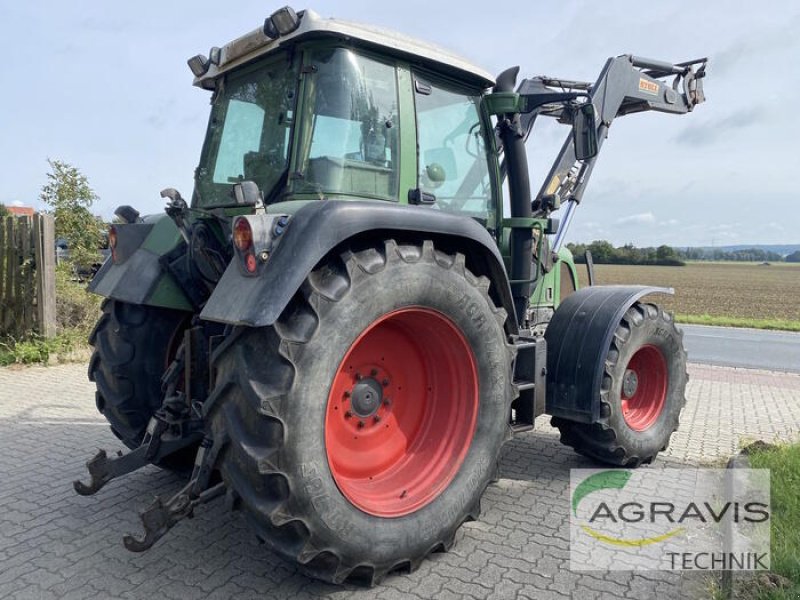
(747,254)
(605,253)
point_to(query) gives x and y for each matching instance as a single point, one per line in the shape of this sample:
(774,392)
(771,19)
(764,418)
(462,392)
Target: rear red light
(112,242)
(250,263)
(242,235)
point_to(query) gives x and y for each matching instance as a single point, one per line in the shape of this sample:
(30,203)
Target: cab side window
(453,161)
(354,145)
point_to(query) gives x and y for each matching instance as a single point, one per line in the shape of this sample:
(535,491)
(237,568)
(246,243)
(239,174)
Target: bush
(76,308)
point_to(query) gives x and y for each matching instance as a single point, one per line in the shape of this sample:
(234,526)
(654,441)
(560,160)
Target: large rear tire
(363,427)
(642,392)
(133,345)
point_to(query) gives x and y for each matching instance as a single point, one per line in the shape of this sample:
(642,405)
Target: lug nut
(348,414)
(358,376)
(385,383)
(361,424)
(347,394)
(373,372)
(387,401)
(377,418)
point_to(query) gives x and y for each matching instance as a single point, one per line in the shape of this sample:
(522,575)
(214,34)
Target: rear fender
(320,228)
(578,339)
(137,276)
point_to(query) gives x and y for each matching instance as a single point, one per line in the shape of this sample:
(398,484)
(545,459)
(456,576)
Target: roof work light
(282,22)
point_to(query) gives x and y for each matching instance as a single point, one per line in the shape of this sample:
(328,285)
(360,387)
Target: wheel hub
(630,383)
(402,411)
(644,388)
(366,397)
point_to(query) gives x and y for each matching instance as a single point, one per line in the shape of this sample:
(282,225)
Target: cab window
(351,127)
(453,161)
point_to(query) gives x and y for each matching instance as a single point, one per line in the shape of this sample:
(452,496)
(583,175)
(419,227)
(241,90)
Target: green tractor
(342,328)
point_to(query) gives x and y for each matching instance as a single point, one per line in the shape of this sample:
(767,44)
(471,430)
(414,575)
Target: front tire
(642,394)
(332,475)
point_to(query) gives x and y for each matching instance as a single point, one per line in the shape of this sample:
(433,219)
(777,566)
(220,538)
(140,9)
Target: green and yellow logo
(611,480)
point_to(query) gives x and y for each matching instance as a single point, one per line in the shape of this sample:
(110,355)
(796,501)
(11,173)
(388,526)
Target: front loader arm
(627,84)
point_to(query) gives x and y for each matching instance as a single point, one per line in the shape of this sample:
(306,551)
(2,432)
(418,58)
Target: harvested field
(738,290)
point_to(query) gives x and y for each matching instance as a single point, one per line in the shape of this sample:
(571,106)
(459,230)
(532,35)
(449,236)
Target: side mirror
(584,132)
(246,193)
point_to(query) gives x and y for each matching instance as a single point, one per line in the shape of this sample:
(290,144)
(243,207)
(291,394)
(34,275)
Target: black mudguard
(578,339)
(140,273)
(319,227)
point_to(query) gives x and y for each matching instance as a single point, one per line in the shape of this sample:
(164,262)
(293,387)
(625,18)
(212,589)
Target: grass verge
(772,324)
(784,465)
(67,346)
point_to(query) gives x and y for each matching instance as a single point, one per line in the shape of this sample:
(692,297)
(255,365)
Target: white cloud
(646,218)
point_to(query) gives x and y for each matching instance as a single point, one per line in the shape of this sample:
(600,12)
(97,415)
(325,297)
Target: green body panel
(167,294)
(547,293)
(408,135)
(164,238)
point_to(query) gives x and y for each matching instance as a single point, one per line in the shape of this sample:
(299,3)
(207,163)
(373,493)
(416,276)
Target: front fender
(319,227)
(578,339)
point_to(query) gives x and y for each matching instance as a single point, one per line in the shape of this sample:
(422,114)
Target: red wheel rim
(644,388)
(401,412)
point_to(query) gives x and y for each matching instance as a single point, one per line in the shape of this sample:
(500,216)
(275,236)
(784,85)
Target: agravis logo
(612,480)
(669,518)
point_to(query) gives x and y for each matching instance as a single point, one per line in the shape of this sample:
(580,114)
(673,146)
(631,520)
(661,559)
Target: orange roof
(20,211)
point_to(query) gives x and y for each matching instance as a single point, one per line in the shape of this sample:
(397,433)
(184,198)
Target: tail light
(242,235)
(255,237)
(243,241)
(112,242)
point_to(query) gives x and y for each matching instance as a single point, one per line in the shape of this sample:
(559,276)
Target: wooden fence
(27,276)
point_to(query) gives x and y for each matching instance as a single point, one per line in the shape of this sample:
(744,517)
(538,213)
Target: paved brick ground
(55,544)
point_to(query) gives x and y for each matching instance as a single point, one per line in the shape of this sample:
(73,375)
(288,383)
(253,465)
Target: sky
(105,87)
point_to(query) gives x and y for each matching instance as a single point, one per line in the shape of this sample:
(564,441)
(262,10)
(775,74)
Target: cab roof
(255,44)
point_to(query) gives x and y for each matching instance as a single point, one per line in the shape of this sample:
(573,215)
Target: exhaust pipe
(513,138)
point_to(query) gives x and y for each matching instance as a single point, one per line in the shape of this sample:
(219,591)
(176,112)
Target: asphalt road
(750,348)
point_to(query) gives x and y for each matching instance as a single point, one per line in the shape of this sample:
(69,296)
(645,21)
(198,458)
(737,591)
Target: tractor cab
(332,110)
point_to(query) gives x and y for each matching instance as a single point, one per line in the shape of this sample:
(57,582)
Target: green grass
(67,344)
(784,465)
(721,321)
